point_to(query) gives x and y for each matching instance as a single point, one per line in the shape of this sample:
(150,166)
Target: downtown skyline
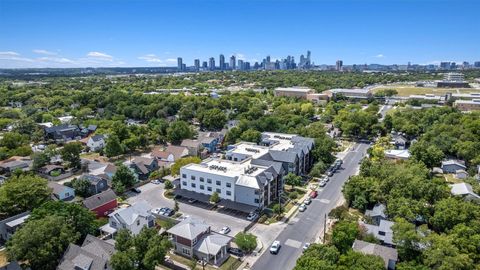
(154,33)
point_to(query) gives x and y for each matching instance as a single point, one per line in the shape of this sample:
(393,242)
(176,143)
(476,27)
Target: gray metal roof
(189,228)
(129,215)
(99,199)
(386,253)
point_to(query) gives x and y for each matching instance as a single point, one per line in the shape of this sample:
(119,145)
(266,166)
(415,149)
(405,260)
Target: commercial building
(222,62)
(299,92)
(453,80)
(179,63)
(211,63)
(233,62)
(196,64)
(250,175)
(467,105)
(339,65)
(363,93)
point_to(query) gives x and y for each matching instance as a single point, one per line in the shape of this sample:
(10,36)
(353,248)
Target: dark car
(169,212)
(136,190)
(236,251)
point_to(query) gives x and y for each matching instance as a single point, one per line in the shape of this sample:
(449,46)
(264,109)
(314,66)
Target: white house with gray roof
(133,218)
(464,190)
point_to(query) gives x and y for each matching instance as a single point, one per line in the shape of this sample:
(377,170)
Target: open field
(407,90)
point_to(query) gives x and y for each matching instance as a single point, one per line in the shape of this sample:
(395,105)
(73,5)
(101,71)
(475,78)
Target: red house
(102,203)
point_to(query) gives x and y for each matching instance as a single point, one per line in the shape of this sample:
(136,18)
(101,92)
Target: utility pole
(324,228)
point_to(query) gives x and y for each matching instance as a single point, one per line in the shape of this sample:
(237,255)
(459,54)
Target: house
(194,146)
(209,141)
(400,141)
(461,174)
(61,192)
(382,231)
(389,255)
(377,213)
(12,164)
(143,166)
(464,190)
(11,266)
(171,154)
(102,203)
(98,183)
(193,238)
(96,142)
(52,170)
(451,166)
(397,154)
(62,133)
(106,170)
(133,218)
(94,254)
(10,225)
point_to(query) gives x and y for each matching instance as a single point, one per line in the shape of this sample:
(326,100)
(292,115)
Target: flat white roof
(473,101)
(250,149)
(294,89)
(225,167)
(346,90)
(284,141)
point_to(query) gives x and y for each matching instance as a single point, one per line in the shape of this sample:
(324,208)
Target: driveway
(153,194)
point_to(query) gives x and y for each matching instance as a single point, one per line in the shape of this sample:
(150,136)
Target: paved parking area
(153,194)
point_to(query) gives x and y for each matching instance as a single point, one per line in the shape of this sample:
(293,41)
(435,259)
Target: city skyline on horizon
(153,34)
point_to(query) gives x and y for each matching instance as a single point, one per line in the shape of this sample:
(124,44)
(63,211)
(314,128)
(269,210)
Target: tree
(113,146)
(359,261)
(430,155)
(175,169)
(81,186)
(343,235)
(77,217)
(293,180)
(407,238)
(251,135)
(214,119)
(168,184)
(123,178)
(23,193)
(178,131)
(123,240)
(443,254)
(233,135)
(176,207)
(42,242)
(12,140)
(40,159)
(71,154)
(277,209)
(452,211)
(246,241)
(122,261)
(215,198)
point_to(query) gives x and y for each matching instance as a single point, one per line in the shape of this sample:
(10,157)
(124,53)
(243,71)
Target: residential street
(307,226)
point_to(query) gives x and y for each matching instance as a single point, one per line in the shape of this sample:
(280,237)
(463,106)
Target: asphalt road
(306,226)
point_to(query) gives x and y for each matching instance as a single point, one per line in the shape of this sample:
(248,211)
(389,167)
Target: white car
(225,230)
(156,182)
(302,207)
(252,216)
(275,247)
(307,201)
(306,246)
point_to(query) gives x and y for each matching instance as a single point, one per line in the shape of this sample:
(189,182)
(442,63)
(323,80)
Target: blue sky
(75,33)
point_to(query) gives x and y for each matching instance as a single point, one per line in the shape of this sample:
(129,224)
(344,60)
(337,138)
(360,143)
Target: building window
(138,222)
(184,183)
(209,181)
(209,188)
(114,224)
(193,177)
(257,201)
(219,191)
(218,183)
(202,187)
(184,175)
(229,192)
(229,184)
(202,179)
(185,251)
(257,192)
(193,185)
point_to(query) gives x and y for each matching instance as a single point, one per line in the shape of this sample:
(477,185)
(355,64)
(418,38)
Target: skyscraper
(179,63)
(197,64)
(233,62)
(339,65)
(205,65)
(222,62)
(240,65)
(211,63)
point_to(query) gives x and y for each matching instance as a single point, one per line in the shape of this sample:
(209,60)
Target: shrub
(246,241)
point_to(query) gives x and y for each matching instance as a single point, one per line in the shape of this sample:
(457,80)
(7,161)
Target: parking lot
(153,194)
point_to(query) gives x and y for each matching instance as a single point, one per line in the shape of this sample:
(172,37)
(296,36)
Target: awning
(108,229)
(192,195)
(242,207)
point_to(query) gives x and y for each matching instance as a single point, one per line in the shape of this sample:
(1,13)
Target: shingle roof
(212,244)
(97,138)
(129,215)
(99,199)
(56,187)
(190,143)
(94,254)
(461,189)
(386,253)
(283,156)
(378,210)
(189,228)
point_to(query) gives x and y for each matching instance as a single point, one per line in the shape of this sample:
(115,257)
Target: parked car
(162,211)
(156,210)
(236,251)
(136,190)
(325,179)
(302,207)
(313,194)
(275,247)
(322,183)
(169,212)
(329,173)
(307,201)
(252,216)
(192,201)
(156,182)
(306,246)
(225,230)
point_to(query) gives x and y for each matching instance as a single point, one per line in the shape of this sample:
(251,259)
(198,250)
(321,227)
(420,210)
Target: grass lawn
(231,264)
(164,223)
(451,179)
(407,90)
(3,258)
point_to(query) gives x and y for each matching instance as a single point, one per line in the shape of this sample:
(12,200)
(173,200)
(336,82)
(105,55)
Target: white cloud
(60,60)
(152,58)
(171,60)
(379,56)
(9,53)
(45,52)
(100,55)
